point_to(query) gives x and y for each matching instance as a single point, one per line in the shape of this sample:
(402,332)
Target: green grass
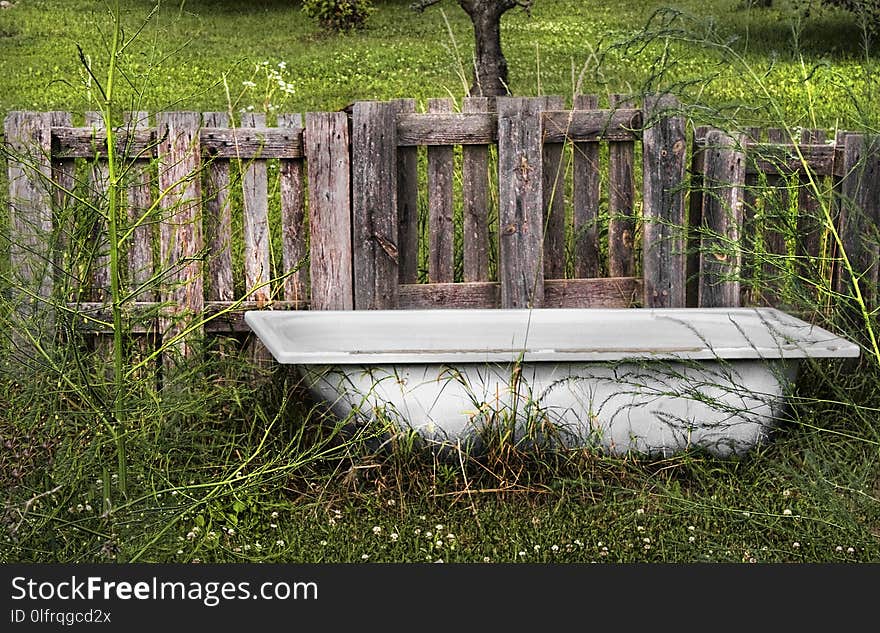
(232,464)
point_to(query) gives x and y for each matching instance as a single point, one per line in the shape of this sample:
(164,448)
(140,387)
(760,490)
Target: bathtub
(649,381)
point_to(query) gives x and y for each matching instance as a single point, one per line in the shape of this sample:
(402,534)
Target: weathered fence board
(619,124)
(441,166)
(663,160)
(520,199)
(860,216)
(180,231)
(621,200)
(554,201)
(217,207)
(695,215)
(30,228)
(293,229)
(407,203)
(255,186)
(99,248)
(66,274)
(140,199)
(475,200)
(585,195)
(330,247)
(374,205)
(722,215)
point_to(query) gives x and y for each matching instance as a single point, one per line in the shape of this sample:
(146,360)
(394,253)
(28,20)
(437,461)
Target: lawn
(235,465)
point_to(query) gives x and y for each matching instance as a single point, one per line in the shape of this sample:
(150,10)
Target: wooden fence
(531,204)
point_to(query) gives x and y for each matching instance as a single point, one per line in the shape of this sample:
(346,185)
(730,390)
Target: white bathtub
(650,381)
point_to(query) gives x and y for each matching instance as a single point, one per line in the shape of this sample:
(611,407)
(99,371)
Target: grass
(233,464)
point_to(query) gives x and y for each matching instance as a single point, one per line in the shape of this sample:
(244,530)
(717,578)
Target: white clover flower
(439,527)
(787,512)
(376,529)
(554,548)
(522,553)
(439,543)
(280,542)
(394,536)
(364,556)
(691,539)
(691,528)
(839,548)
(850,550)
(282,65)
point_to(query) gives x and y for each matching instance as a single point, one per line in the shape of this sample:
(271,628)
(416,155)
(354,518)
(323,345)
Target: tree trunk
(490,66)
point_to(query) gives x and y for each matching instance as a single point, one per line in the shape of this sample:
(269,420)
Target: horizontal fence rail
(532,204)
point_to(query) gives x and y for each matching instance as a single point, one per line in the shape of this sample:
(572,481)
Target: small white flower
(439,543)
(795,545)
(640,528)
(787,512)
(282,65)
(537,547)
(691,539)
(248,84)
(578,542)
(640,511)
(521,553)
(439,527)
(786,493)
(280,542)
(747,514)
(376,529)
(273,525)
(555,548)
(691,528)
(322,543)
(850,550)
(394,536)
(88,507)
(429,534)
(364,556)
(839,548)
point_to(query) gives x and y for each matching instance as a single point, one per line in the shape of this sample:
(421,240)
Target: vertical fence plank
(696,195)
(98,179)
(808,248)
(441,168)
(521,201)
(775,223)
(407,204)
(140,198)
(860,216)
(330,247)
(621,196)
(374,205)
(722,216)
(64,179)
(293,229)
(29,170)
(475,197)
(663,230)
(180,231)
(219,219)
(553,173)
(255,190)
(585,194)
(750,235)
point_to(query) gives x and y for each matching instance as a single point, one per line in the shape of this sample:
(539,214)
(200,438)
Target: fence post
(695,216)
(663,228)
(520,201)
(29,139)
(329,178)
(722,215)
(374,205)
(859,218)
(180,232)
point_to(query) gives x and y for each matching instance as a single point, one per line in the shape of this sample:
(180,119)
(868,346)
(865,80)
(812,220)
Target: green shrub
(339,15)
